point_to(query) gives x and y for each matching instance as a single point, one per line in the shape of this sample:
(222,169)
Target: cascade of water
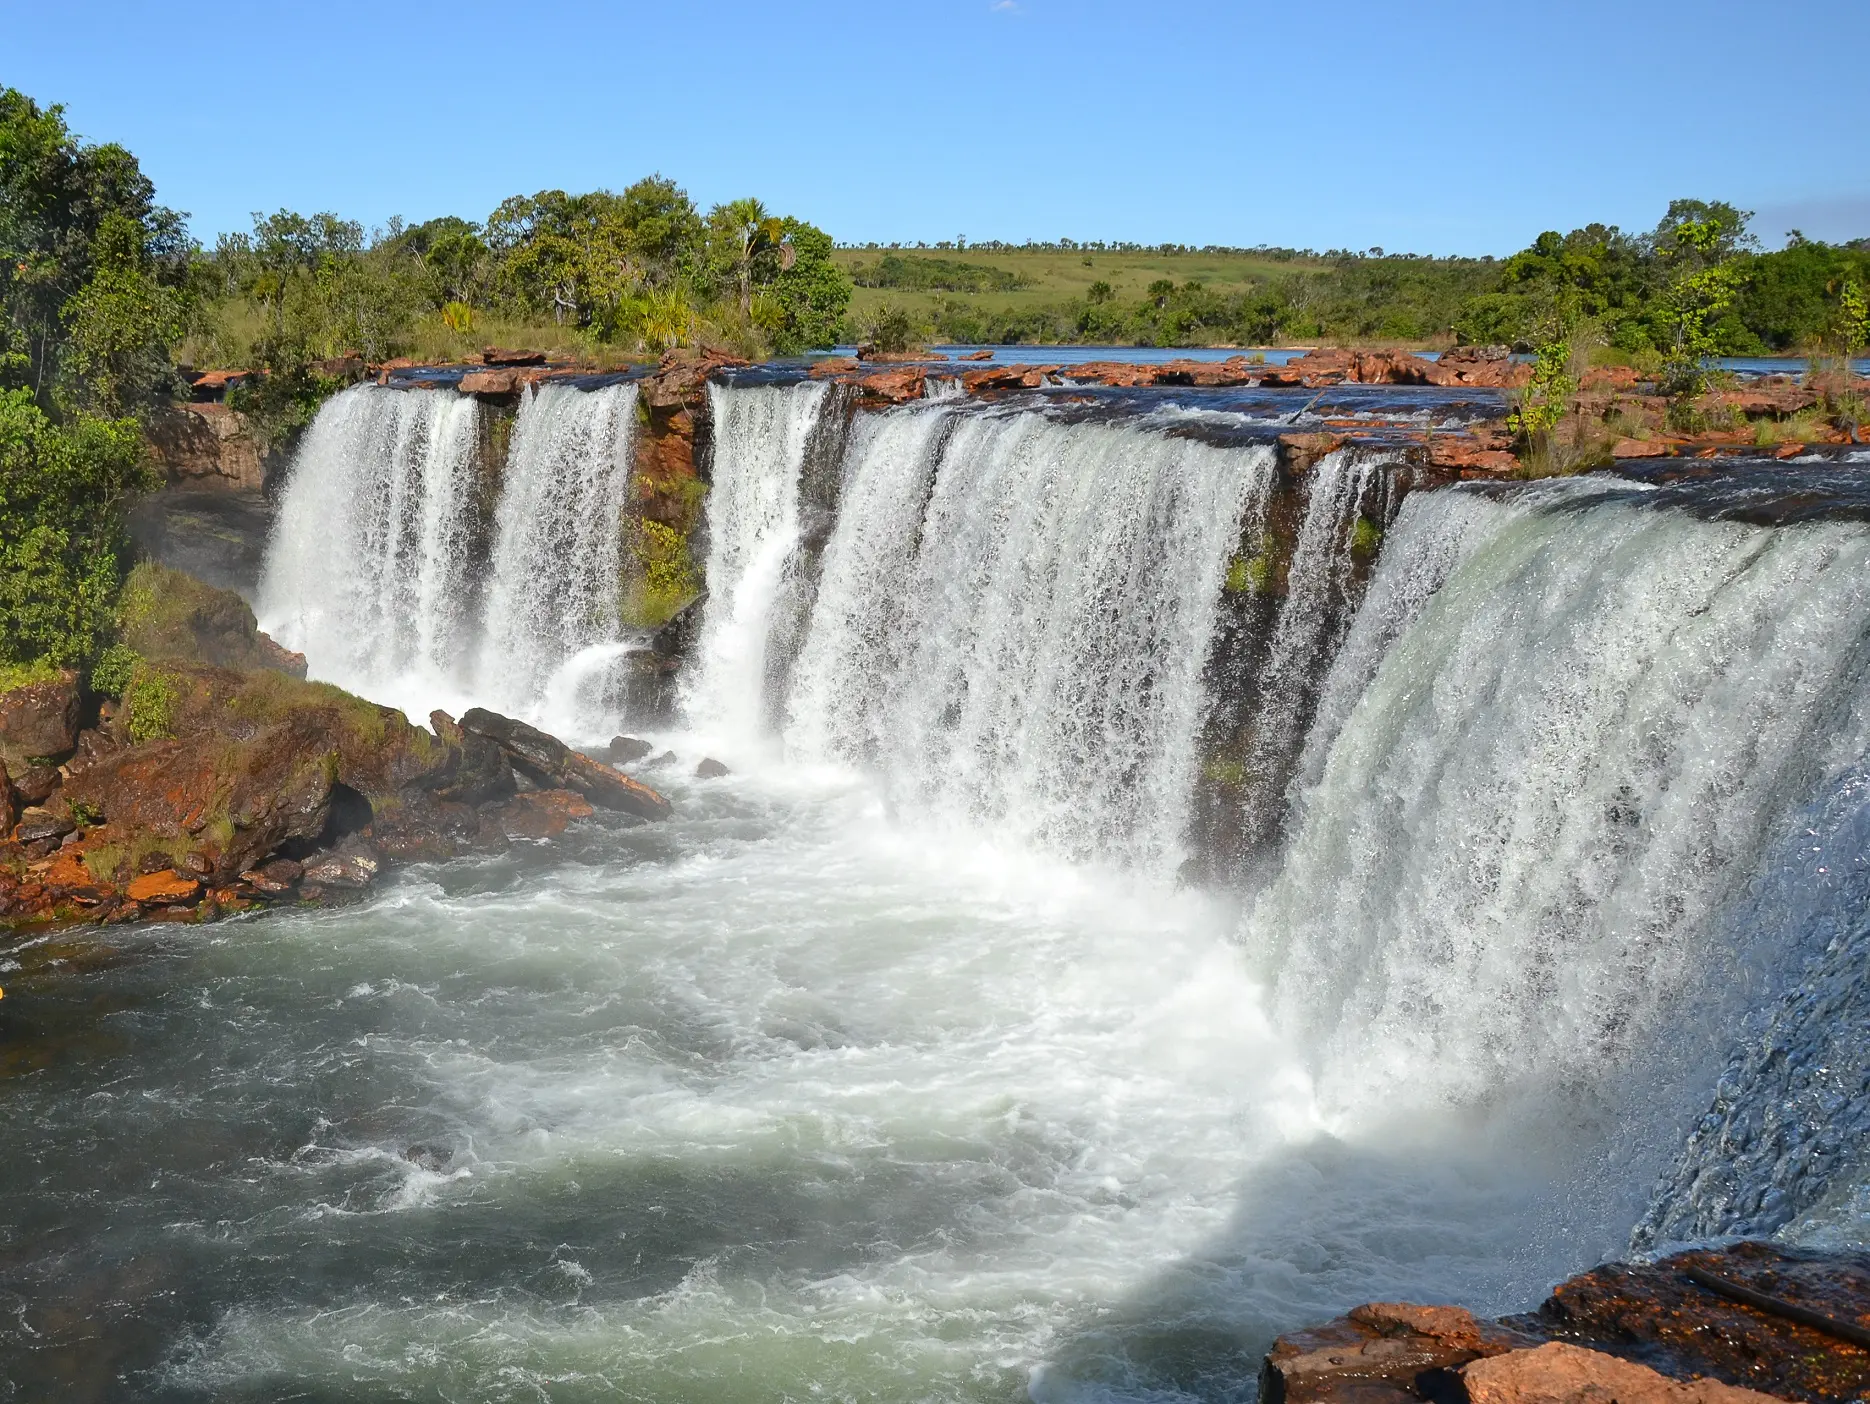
(761,434)
(367,571)
(1316,612)
(1013,619)
(558,548)
(1782,1147)
(1561,767)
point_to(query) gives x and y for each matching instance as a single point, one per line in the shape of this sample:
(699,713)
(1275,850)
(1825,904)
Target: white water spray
(558,555)
(367,571)
(1013,620)
(761,435)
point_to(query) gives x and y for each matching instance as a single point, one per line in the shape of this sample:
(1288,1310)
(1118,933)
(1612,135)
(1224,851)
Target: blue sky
(1437,128)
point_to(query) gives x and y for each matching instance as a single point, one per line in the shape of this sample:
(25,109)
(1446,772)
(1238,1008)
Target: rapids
(899,1064)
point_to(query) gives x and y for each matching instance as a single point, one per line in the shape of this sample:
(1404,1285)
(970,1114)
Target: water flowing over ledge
(1168,890)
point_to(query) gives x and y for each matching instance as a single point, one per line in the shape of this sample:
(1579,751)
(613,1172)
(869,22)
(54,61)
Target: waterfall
(1508,868)
(367,572)
(1012,622)
(1310,623)
(380,570)
(558,550)
(761,434)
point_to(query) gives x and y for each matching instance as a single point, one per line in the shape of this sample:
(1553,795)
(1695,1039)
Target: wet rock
(478,772)
(39,722)
(1660,1315)
(541,814)
(351,867)
(710,769)
(623,750)
(165,888)
(833,366)
(981,355)
(9,805)
(895,387)
(237,801)
(1556,1373)
(434,1159)
(1301,450)
(1382,1350)
(553,764)
(663,761)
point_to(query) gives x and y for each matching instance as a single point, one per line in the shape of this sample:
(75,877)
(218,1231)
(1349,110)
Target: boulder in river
(625,749)
(550,763)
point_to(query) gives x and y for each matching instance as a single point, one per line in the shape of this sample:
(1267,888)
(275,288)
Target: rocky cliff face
(221,779)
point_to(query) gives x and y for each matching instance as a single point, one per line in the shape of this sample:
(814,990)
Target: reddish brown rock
(541,814)
(1611,378)
(1643,448)
(9,805)
(834,365)
(213,384)
(981,355)
(166,888)
(39,722)
(1122,375)
(235,802)
(1006,378)
(501,356)
(1468,454)
(894,387)
(1302,450)
(1379,1351)
(206,445)
(680,379)
(1657,1314)
(1556,1373)
(498,383)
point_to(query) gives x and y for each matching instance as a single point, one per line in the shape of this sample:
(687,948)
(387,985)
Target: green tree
(89,263)
(806,293)
(62,555)
(1696,244)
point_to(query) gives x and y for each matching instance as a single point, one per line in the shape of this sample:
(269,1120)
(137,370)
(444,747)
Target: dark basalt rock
(350,867)
(710,769)
(625,749)
(552,764)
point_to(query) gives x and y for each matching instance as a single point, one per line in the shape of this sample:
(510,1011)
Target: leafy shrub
(150,698)
(114,669)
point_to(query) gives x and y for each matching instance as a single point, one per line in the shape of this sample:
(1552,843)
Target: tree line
(1628,287)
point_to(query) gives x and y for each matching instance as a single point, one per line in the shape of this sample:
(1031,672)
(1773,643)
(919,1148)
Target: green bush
(149,698)
(115,667)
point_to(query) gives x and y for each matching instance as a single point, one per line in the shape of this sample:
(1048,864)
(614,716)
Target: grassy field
(1054,276)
